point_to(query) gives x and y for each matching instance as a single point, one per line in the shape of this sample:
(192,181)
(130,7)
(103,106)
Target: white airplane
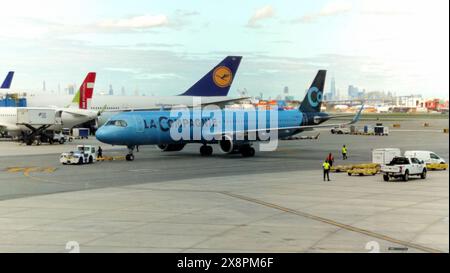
(213,88)
(67,117)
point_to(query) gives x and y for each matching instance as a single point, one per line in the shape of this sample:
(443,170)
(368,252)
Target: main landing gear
(247,151)
(206,150)
(130,155)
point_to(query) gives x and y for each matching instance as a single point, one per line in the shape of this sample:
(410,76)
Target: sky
(163,47)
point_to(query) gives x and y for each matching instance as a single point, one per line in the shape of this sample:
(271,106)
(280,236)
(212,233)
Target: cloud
(122,70)
(157,76)
(186,13)
(330,9)
(263,13)
(135,23)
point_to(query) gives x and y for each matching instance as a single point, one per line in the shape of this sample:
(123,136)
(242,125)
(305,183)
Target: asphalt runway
(182,202)
(35,174)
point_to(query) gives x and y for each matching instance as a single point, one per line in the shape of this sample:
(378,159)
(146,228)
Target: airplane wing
(73,111)
(221,103)
(339,116)
(306,127)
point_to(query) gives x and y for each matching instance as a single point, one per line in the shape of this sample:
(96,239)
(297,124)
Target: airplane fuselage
(112,105)
(155,127)
(69,119)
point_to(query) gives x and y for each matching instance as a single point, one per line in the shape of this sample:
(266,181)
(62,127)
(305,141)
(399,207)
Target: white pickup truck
(404,167)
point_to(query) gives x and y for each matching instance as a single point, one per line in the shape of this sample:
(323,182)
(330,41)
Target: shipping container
(36,116)
(9,101)
(80,132)
(385,156)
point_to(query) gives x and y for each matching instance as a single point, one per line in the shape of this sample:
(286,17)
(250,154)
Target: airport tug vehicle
(84,154)
(404,167)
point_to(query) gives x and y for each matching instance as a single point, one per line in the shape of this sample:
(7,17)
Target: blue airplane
(7,82)
(133,129)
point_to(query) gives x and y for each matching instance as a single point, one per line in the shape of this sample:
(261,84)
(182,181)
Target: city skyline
(376,45)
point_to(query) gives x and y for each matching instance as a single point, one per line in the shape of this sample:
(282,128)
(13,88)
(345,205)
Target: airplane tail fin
(314,97)
(218,81)
(86,91)
(7,82)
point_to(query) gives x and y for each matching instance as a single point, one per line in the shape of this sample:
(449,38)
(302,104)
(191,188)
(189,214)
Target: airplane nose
(102,136)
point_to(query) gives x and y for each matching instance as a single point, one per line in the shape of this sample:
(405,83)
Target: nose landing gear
(130,155)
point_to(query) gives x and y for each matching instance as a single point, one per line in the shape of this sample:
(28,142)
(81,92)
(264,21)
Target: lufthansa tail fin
(314,97)
(7,82)
(218,81)
(86,91)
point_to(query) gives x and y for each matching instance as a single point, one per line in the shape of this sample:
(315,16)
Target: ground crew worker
(344,152)
(326,170)
(99,152)
(330,159)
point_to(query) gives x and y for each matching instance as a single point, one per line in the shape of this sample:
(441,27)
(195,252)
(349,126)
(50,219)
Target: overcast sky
(163,47)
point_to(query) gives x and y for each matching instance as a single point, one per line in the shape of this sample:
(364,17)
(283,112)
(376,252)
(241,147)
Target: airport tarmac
(181,202)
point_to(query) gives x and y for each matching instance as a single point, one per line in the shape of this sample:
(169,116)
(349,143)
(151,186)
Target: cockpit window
(119,123)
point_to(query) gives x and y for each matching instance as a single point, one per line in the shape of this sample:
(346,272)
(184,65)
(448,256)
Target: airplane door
(139,124)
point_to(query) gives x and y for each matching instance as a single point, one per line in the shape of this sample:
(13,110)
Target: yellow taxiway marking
(110,158)
(27,170)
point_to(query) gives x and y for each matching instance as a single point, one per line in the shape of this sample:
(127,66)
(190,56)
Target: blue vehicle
(234,130)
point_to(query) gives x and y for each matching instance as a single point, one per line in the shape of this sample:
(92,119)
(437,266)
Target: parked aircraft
(213,88)
(67,117)
(234,130)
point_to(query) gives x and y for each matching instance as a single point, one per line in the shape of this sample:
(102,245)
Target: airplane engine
(171,147)
(227,145)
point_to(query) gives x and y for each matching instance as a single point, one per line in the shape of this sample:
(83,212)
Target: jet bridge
(37,121)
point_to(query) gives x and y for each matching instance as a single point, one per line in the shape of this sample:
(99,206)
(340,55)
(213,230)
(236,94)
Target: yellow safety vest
(344,150)
(326,166)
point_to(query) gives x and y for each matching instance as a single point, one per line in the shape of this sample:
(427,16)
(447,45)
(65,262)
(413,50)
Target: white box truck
(385,155)
(36,116)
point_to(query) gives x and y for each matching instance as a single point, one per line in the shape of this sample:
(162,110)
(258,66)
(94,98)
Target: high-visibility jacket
(326,166)
(344,150)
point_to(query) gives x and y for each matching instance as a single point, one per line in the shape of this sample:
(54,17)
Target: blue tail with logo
(314,97)
(218,81)
(7,82)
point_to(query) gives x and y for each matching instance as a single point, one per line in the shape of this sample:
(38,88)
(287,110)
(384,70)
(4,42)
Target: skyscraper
(355,93)
(111,91)
(333,89)
(71,89)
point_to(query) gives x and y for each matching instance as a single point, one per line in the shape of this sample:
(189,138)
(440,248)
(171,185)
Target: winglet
(7,82)
(218,81)
(358,115)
